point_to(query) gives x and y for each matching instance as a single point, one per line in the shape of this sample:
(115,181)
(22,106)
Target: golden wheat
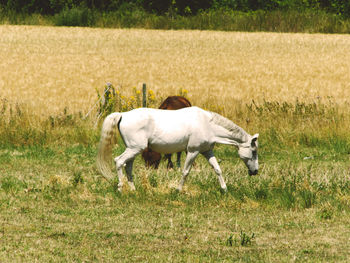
(51,68)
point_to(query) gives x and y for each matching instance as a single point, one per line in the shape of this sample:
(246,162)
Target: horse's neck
(240,136)
(227,132)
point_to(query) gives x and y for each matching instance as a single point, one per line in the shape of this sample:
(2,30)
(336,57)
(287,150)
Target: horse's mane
(237,132)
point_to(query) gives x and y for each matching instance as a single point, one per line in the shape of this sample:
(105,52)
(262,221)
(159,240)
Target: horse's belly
(168,146)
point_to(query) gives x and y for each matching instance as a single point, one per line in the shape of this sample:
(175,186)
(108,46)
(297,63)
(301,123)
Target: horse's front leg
(170,163)
(187,168)
(178,160)
(209,155)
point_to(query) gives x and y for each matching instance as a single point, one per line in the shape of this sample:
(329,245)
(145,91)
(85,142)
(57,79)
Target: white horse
(189,129)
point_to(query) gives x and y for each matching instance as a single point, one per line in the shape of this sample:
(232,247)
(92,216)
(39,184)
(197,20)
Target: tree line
(174,7)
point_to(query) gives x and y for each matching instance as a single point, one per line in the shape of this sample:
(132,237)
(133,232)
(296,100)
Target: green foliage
(175,7)
(313,16)
(76,16)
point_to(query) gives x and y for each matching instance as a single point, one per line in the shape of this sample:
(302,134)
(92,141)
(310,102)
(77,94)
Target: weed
(262,192)
(307,198)
(77,178)
(230,241)
(243,239)
(326,212)
(286,197)
(246,239)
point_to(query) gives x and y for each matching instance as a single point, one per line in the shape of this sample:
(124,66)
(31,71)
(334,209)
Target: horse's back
(185,117)
(179,116)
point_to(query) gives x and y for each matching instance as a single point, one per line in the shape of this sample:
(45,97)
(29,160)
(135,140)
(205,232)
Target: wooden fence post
(109,92)
(144,95)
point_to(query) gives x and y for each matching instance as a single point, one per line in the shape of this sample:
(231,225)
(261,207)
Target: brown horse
(152,159)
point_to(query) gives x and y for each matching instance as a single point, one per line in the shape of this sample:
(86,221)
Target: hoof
(132,186)
(179,189)
(223,190)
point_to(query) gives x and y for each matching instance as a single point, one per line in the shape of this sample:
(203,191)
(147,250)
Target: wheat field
(50,68)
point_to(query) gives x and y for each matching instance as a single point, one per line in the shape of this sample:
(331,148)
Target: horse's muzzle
(255,172)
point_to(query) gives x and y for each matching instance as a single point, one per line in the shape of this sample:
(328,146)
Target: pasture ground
(56,207)
(291,88)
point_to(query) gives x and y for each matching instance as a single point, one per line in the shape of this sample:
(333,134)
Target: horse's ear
(254,140)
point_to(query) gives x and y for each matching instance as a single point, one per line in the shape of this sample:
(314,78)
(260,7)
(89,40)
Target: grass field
(56,207)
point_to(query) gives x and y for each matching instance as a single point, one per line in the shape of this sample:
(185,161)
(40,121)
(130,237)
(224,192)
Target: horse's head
(248,152)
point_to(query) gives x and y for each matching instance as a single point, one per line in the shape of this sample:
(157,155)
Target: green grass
(56,207)
(307,21)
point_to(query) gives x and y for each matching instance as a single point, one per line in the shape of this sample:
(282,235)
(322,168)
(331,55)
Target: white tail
(107,141)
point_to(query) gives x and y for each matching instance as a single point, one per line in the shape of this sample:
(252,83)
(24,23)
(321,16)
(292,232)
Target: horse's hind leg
(126,158)
(128,169)
(214,163)
(187,168)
